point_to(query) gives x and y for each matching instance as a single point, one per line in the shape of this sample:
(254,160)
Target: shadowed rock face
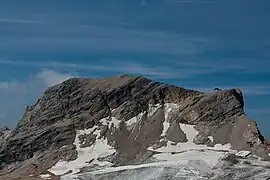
(175,133)
(81,103)
(4,131)
(133,144)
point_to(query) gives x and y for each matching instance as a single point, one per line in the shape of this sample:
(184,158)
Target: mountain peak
(131,119)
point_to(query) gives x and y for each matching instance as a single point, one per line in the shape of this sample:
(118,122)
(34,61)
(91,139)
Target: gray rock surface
(201,138)
(175,133)
(80,103)
(4,132)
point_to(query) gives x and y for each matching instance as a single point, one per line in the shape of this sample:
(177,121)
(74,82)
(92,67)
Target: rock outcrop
(4,133)
(130,113)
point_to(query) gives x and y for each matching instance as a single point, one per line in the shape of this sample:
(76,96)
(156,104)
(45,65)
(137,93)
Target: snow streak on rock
(85,155)
(184,153)
(45,176)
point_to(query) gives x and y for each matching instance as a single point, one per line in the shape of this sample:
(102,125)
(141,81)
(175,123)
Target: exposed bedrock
(80,103)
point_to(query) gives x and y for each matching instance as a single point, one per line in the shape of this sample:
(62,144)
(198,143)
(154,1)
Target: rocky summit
(130,127)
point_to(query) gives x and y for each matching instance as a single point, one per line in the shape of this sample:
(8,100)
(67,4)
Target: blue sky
(198,44)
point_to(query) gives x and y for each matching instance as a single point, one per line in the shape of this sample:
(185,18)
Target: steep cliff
(133,117)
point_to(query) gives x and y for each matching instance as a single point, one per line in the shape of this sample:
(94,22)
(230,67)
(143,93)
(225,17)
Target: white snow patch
(132,121)
(269,154)
(207,156)
(166,126)
(110,121)
(116,122)
(99,149)
(188,151)
(104,121)
(130,167)
(64,146)
(45,176)
(211,138)
(152,109)
(200,165)
(168,108)
(190,131)
(225,147)
(243,153)
(175,163)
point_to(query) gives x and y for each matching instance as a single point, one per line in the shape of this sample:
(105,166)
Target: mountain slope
(88,127)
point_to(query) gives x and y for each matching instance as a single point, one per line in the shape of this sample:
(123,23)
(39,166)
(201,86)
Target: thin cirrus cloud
(238,65)
(18,21)
(111,66)
(186,68)
(64,36)
(167,69)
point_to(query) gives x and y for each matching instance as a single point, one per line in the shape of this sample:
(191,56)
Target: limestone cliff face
(47,130)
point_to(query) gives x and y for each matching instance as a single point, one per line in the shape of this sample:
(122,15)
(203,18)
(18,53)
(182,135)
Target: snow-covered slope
(183,160)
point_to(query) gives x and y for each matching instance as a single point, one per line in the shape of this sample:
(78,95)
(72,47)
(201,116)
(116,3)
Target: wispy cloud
(16,95)
(130,67)
(51,77)
(168,69)
(210,65)
(20,21)
(84,37)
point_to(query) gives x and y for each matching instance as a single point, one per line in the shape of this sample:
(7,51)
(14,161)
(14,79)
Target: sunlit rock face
(128,127)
